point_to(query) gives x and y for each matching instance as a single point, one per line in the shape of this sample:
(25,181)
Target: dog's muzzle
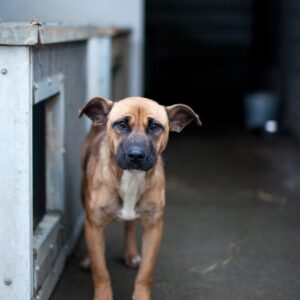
(136,154)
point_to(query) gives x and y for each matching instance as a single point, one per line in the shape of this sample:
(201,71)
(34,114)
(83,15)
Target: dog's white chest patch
(132,185)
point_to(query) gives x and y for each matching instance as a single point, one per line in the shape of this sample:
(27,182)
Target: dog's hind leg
(131,255)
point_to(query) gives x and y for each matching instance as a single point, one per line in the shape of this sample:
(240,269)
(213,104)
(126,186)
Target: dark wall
(291,65)
(268,32)
(201,52)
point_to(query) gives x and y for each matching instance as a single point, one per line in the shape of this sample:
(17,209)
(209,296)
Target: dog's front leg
(95,238)
(152,234)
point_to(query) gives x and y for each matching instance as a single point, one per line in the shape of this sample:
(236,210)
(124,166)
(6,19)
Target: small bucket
(260,108)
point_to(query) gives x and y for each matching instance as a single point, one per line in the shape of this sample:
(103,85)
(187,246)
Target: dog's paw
(132,261)
(85,264)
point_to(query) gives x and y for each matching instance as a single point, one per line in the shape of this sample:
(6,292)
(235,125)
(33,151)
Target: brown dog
(124,180)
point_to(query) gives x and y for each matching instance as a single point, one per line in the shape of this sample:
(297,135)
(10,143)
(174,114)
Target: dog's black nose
(136,154)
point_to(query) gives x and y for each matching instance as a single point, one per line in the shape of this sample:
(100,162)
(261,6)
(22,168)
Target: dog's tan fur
(101,186)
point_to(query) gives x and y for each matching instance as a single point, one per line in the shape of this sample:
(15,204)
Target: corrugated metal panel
(70,60)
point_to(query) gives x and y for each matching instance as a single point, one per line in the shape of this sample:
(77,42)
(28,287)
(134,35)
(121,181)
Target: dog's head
(138,128)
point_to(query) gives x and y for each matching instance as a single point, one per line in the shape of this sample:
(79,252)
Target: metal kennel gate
(42,85)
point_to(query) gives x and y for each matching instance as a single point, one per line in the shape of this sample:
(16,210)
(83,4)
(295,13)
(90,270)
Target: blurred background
(232,217)
(209,54)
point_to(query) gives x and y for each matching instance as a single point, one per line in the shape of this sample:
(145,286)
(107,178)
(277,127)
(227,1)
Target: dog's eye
(122,126)
(154,128)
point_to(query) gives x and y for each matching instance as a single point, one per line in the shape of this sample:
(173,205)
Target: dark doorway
(39,161)
(210,54)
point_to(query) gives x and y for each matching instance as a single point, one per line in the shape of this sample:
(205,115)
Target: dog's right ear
(97,110)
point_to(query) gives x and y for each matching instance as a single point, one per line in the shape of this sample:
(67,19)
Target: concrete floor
(232,225)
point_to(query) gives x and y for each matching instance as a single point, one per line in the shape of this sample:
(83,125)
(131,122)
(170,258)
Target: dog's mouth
(133,156)
(128,164)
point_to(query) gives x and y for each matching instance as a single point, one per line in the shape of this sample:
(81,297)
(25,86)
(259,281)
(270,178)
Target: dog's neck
(131,188)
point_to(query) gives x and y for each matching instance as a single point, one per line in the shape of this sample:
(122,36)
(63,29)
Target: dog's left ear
(97,110)
(181,115)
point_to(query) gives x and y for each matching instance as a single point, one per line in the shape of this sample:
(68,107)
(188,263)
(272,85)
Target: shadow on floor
(232,225)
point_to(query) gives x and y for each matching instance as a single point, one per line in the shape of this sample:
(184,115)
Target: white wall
(126,13)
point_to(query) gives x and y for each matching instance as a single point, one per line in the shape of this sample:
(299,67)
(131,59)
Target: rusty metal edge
(34,34)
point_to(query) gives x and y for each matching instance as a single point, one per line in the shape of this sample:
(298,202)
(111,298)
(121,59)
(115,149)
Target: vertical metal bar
(16,173)
(106,67)
(55,148)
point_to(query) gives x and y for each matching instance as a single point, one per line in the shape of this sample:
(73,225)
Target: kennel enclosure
(43,83)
